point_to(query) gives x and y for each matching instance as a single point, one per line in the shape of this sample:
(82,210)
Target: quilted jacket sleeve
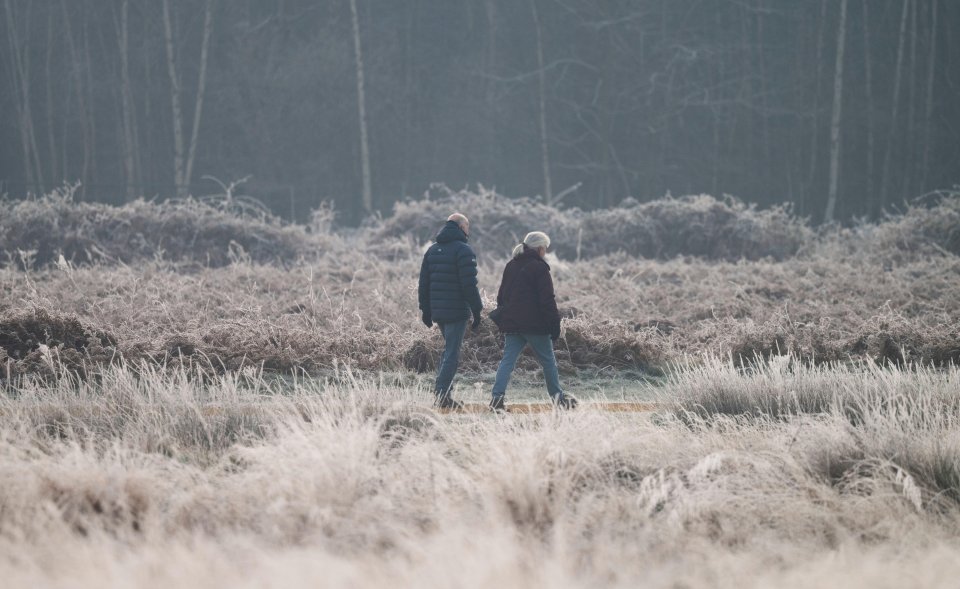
(423,289)
(467,271)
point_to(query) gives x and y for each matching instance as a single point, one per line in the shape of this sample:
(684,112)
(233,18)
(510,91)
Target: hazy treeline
(364,102)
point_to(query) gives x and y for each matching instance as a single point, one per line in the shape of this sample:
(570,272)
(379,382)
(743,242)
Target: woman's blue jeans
(543,347)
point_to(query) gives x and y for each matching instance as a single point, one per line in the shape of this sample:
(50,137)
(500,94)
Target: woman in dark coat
(528,316)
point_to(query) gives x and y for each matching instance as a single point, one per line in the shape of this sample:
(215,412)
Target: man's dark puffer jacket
(448,278)
(527,298)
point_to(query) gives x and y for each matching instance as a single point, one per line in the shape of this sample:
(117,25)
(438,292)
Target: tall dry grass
(211,232)
(698,225)
(235,405)
(215,231)
(243,289)
(622,313)
(153,478)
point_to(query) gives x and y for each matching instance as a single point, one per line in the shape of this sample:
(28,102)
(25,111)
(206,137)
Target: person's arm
(423,291)
(467,271)
(548,301)
(500,291)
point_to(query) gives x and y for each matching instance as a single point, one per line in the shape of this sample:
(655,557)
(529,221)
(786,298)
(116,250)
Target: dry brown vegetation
(217,414)
(359,309)
(37,232)
(883,292)
(699,226)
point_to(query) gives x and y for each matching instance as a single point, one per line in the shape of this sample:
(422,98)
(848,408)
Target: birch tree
(183,158)
(126,103)
(55,174)
(86,131)
(20,74)
(818,63)
(362,111)
(542,102)
(868,82)
(836,119)
(894,115)
(928,110)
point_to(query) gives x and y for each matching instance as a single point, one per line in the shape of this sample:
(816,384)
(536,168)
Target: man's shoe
(497,405)
(447,402)
(566,402)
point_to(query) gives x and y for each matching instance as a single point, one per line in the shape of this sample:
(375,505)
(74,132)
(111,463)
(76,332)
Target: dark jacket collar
(531,254)
(451,232)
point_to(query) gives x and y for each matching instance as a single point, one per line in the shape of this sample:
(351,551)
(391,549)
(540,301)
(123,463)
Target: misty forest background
(363,103)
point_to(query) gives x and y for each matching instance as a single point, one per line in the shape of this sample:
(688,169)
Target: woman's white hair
(533,240)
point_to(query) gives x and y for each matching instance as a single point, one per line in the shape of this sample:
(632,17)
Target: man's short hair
(459,219)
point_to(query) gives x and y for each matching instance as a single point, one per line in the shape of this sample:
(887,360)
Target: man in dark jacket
(448,296)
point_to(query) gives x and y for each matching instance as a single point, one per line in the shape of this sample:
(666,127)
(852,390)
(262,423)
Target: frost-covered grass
(216,231)
(258,414)
(622,313)
(203,283)
(157,477)
(210,283)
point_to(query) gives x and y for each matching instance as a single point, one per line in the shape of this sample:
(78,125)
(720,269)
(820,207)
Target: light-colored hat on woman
(533,240)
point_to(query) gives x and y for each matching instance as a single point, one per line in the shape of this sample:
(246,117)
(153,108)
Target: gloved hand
(426,320)
(476,322)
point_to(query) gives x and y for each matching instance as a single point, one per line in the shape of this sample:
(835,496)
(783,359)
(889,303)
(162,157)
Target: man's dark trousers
(453,333)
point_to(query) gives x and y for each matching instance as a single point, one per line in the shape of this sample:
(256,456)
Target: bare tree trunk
(664,136)
(409,33)
(884,186)
(34,148)
(718,74)
(81,97)
(20,66)
(928,110)
(148,174)
(201,87)
(815,136)
(15,83)
(92,171)
(51,141)
(715,168)
(541,78)
(490,64)
(911,141)
(179,177)
(836,119)
(65,127)
(768,147)
(362,110)
(868,73)
(126,99)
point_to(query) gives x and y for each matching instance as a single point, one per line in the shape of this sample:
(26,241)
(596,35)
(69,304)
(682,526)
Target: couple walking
(526,311)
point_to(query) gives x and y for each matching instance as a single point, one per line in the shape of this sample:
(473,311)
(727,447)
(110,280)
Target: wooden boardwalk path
(530,408)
